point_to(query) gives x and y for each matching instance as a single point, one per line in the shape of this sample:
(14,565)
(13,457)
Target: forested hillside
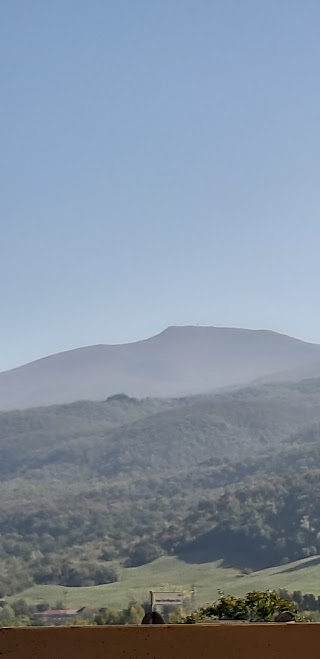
(88,486)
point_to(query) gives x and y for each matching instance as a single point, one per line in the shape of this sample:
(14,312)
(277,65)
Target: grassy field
(171,573)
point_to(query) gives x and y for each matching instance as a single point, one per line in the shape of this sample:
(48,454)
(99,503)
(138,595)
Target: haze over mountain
(180,361)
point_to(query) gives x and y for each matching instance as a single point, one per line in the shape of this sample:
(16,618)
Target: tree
(21,608)
(108,617)
(309,602)
(143,553)
(42,606)
(132,615)
(7,615)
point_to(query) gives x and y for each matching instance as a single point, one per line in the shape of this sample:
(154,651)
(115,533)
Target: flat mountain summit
(180,361)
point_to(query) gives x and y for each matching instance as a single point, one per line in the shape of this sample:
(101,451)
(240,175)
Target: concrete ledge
(270,641)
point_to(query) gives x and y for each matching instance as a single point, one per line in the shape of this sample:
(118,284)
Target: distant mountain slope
(127,480)
(130,438)
(180,361)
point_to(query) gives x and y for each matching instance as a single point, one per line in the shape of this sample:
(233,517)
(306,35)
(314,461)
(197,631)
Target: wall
(291,641)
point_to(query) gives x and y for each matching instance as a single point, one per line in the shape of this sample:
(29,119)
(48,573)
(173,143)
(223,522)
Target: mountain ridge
(167,330)
(179,361)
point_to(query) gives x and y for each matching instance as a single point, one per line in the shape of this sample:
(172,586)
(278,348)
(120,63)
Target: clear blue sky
(160,165)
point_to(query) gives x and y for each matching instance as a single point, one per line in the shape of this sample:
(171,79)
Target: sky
(160,165)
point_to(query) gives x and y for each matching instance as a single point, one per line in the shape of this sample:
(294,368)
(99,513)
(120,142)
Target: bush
(254,607)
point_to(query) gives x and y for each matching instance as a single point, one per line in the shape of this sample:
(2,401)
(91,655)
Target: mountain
(125,437)
(234,477)
(180,361)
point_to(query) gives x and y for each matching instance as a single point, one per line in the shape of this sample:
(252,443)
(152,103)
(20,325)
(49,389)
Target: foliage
(132,615)
(90,486)
(303,602)
(72,574)
(254,607)
(272,521)
(142,553)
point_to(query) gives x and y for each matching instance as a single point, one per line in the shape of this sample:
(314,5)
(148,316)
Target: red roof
(57,612)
